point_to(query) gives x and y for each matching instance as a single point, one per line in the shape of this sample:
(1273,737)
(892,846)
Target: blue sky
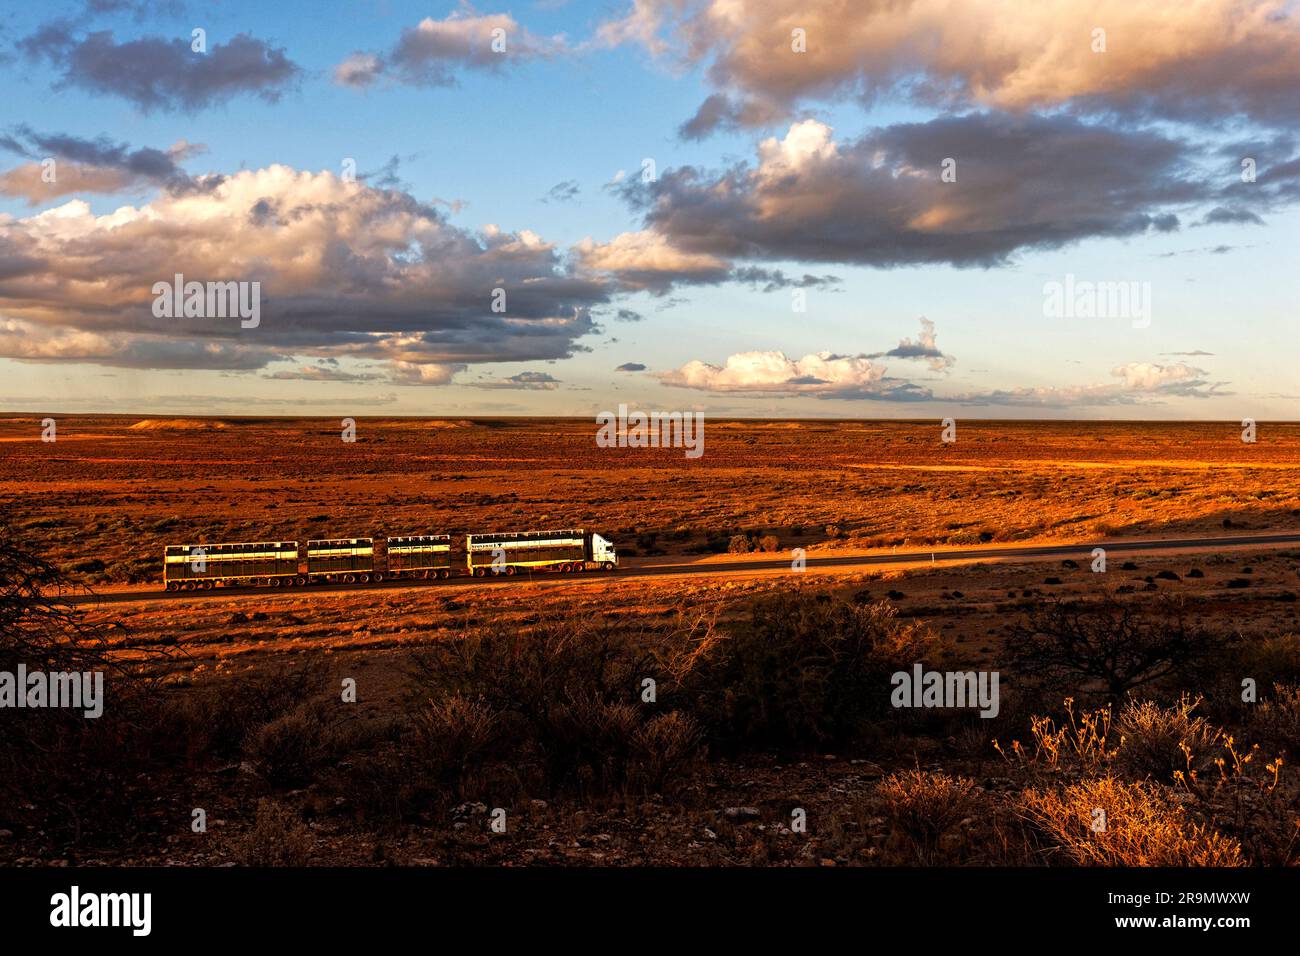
(482,146)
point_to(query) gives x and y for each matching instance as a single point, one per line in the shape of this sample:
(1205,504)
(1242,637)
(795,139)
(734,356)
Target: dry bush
(564,698)
(278,837)
(740,544)
(804,670)
(1277,721)
(220,718)
(1267,661)
(455,735)
(1110,645)
(1159,741)
(924,808)
(1248,797)
(65,777)
(1080,741)
(291,749)
(1143,826)
(664,751)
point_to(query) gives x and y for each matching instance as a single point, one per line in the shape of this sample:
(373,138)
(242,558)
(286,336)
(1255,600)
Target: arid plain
(110,492)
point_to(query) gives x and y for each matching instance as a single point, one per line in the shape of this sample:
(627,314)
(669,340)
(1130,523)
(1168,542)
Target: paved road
(1081,550)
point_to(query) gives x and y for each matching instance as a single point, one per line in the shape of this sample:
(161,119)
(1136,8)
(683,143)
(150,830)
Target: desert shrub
(384,787)
(219,719)
(1142,826)
(1246,796)
(455,734)
(1277,720)
(803,670)
(1077,741)
(1272,660)
(1109,645)
(1158,741)
(289,750)
(1267,661)
(923,808)
(769,543)
(278,837)
(564,699)
(65,777)
(740,544)
(664,750)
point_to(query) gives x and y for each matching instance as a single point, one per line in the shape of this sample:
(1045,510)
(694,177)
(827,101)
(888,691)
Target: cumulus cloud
(524,381)
(1137,383)
(430,53)
(88,166)
(346,271)
(159,73)
(925,347)
(1022,183)
(822,375)
(647,260)
(1210,60)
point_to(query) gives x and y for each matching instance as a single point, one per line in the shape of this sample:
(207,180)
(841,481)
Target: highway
(1081,551)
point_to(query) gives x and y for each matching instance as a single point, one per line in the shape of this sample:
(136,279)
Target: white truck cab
(602,551)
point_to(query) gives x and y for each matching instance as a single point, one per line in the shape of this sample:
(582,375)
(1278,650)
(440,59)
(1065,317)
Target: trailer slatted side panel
(527,548)
(203,562)
(336,555)
(419,552)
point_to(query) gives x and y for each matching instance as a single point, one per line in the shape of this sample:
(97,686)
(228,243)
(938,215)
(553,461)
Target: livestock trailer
(191,566)
(572,550)
(342,559)
(419,556)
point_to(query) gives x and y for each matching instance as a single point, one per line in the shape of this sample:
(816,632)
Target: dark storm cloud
(1021,183)
(91,165)
(164,73)
(345,271)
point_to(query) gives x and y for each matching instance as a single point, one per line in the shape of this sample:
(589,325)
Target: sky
(839,208)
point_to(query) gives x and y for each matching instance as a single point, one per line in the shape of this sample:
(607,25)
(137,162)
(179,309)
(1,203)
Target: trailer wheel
(209,585)
(300,581)
(580,566)
(511,569)
(379,576)
(349,579)
(173,586)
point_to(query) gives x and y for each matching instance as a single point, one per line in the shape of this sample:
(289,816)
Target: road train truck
(512,552)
